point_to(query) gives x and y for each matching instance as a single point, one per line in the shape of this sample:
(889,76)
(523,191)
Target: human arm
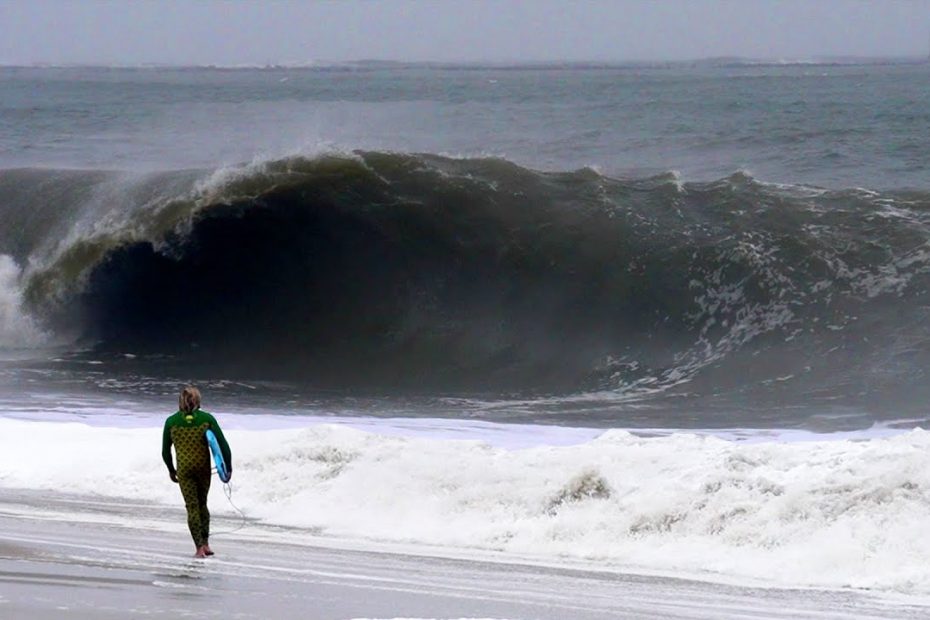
(166,452)
(224,445)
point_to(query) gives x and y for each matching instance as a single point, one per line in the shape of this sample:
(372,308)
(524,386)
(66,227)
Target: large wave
(427,272)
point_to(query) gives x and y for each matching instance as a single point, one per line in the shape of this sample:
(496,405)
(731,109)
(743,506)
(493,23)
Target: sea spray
(17,329)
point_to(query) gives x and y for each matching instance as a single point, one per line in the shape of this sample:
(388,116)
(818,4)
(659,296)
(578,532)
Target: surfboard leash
(227,491)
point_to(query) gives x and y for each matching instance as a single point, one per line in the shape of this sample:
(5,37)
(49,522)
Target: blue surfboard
(221,470)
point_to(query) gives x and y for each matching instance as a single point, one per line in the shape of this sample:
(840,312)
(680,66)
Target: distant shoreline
(373,64)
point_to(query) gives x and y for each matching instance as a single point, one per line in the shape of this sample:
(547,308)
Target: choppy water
(833,125)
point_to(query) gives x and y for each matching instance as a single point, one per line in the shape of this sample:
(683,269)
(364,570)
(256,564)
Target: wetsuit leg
(194,488)
(203,491)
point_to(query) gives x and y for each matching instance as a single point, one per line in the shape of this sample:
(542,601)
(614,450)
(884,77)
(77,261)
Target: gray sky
(260,32)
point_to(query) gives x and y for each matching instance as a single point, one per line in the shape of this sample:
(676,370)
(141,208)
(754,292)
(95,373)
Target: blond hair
(189,400)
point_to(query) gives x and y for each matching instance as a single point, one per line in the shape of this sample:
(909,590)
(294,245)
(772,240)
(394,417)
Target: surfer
(185,430)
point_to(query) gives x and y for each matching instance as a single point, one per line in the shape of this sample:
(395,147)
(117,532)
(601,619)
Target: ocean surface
(694,295)
(684,245)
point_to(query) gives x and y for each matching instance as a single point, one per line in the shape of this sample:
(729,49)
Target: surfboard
(221,470)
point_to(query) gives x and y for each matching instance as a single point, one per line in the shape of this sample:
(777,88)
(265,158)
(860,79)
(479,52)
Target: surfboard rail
(221,470)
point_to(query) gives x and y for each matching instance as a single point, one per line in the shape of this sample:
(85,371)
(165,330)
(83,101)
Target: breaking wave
(425,272)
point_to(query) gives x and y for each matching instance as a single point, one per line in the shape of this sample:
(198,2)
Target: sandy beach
(82,557)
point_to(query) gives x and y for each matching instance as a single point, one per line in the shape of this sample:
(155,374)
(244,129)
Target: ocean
(668,316)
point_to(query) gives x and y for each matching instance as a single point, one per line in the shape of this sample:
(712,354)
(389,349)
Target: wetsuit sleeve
(166,447)
(220,439)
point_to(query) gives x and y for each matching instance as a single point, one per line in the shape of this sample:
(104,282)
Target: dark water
(501,243)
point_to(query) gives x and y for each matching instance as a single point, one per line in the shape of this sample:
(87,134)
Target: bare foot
(207,550)
(200,553)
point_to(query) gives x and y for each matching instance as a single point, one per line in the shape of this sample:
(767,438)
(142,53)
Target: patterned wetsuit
(186,432)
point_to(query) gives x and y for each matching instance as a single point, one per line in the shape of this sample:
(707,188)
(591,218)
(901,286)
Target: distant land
(373,64)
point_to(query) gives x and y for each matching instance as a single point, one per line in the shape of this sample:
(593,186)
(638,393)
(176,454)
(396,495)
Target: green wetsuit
(186,432)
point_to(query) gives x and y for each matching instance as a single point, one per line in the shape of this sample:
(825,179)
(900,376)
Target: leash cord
(227,491)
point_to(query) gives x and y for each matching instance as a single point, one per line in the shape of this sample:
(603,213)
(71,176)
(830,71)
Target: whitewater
(762,508)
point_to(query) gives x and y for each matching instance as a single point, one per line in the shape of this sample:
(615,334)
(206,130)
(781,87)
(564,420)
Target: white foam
(813,513)
(17,329)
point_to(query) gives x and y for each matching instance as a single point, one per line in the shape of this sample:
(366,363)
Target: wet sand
(86,558)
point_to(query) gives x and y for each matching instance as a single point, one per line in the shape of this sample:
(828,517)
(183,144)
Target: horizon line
(372,62)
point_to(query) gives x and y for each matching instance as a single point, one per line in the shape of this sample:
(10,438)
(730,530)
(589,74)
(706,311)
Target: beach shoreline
(86,557)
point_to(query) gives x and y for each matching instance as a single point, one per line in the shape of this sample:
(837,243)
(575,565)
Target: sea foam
(840,513)
(17,329)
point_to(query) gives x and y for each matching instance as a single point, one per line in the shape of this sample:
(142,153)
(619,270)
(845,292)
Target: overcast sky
(262,32)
